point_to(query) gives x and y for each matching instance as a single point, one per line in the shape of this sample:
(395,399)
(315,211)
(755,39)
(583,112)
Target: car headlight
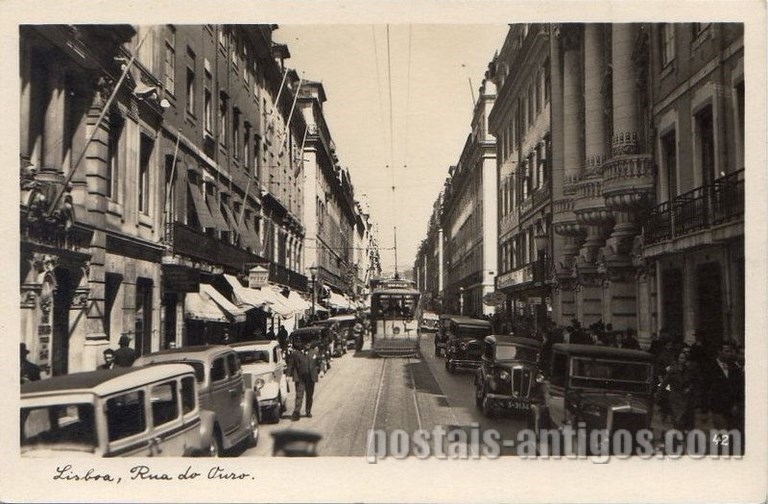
(258,384)
(539,378)
(503,376)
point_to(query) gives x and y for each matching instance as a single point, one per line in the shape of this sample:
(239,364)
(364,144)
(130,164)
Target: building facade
(154,160)
(329,205)
(428,267)
(469,205)
(647,134)
(91,205)
(520,121)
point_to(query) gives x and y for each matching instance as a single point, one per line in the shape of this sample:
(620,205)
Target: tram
(395,318)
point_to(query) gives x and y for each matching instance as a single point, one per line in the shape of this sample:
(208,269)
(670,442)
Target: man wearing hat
(29,371)
(125,355)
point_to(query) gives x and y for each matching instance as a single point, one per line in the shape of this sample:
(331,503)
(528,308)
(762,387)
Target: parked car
(603,387)
(221,390)
(340,327)
(507,375)
(264,370)
(146,412)
(464,347)
(441,336)
(430,322)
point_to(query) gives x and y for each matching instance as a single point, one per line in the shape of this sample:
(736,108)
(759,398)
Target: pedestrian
(725,386)
(125,355)
(271,334)
(282,337)
(109,359)
(303,369)
(680,385)
(29,371)
(357,331)
(627,340)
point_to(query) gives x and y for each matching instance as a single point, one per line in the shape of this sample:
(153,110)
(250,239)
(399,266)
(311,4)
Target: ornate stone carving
(79,300)
(103,85)
(39,188)
(28,298)
(625,143)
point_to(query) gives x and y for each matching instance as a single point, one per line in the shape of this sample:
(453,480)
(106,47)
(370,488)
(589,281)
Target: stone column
(53,125)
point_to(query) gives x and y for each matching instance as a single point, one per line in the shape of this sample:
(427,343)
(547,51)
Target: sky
(431,73)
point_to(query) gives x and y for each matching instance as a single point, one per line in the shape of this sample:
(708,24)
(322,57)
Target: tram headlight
(396,330)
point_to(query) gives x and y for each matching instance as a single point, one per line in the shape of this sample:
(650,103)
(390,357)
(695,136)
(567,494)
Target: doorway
(672,299)
(709,303)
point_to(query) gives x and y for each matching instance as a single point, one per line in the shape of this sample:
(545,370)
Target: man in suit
(29,371)
(109,359)
(302,367)
(125,355)
(726,389)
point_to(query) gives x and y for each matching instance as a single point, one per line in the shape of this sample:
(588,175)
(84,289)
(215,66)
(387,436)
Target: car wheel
(253,426)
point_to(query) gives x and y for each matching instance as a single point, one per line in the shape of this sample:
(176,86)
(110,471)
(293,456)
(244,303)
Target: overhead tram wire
(392,149)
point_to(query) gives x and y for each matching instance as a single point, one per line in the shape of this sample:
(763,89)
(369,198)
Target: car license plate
(520,405)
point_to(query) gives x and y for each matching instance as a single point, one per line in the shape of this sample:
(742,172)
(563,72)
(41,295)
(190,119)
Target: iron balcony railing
(717,203)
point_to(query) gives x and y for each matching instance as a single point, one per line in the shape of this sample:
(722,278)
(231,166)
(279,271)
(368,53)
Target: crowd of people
(693,381)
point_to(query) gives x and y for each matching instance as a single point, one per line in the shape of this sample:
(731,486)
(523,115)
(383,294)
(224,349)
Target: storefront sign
(518,276)
(258,277)
(181,279)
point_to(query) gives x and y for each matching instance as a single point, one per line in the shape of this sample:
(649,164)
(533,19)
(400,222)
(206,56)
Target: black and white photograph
(386,257)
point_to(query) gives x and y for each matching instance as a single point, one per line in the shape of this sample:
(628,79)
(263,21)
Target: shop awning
(337,301)
(209,305)
(203,214)
(245,295)
(278,303)
(218,217)
(299,302)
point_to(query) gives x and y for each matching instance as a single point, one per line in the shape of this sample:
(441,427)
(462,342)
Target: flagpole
(96,126)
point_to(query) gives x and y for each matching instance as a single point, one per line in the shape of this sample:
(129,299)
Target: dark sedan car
(506,379)
(464,347)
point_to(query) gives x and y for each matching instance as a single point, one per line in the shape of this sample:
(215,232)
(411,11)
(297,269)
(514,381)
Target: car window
(276,355)
(188,397)
(125,415)
(253,356)
(218,370)
(165,403)
(509,352)
(233,363)
(71,425)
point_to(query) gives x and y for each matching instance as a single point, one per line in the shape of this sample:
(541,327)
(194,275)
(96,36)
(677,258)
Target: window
(247,147)
(233,364)
(125,415)
(223,37)
(188,395)
(223,119)
(531,103)
(669,161)
(170,60)
(146,145)
(740,118)
(165,404)
(190,91)
(236,133)
(116,126)
(537,91)
(218,370)
(547,81)
(208,103)
(667,43)
(706,145)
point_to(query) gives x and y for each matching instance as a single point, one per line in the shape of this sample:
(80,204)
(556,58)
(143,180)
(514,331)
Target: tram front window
(391,305)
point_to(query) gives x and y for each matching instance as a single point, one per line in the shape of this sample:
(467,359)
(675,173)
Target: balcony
(283,276)
(703,208)
(192,243)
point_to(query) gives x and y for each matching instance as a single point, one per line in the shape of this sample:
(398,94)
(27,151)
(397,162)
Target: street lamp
(313,273)
(461,300)
(542,244)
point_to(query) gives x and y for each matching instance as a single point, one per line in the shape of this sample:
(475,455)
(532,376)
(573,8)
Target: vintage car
(464,348)
(146,412)
(430,322)
(603,387)
(221,390)
(340,327)
(264,371)
(441,336)
(506,379)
